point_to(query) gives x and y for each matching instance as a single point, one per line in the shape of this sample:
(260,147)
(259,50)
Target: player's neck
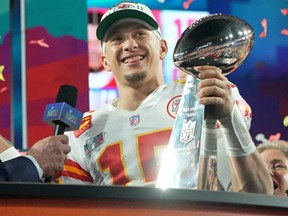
(131,98)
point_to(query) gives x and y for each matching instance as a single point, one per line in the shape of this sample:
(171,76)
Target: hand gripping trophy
(218,40)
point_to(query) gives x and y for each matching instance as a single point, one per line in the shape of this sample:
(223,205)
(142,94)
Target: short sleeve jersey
(120,147)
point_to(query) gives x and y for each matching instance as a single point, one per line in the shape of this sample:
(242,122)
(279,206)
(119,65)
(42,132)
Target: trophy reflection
(217,40)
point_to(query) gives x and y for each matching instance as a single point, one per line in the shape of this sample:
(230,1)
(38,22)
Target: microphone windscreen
(67,94)
(63,113)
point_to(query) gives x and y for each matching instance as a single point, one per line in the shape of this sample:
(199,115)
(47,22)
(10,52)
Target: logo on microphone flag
(63,112)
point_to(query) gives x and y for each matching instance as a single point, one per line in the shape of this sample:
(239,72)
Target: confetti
(40,43)
(1,72)
(264,24)
(3,89)
(284,32)
(285,121)
(284,11)
(275,137)
(187,3)
(260,137)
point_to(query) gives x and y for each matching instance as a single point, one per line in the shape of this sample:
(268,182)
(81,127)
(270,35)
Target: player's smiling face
(132,52)
(278,166)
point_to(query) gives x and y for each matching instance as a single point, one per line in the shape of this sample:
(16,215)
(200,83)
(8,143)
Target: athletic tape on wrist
(238,139)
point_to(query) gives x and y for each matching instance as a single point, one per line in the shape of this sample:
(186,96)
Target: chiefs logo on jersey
(173,105)
(85,125)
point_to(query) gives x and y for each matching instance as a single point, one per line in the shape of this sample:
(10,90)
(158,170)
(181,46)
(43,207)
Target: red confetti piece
(284,11)
(40,43)
(284,32)
(187,3)
(3,89)
(264,24)
(275,137)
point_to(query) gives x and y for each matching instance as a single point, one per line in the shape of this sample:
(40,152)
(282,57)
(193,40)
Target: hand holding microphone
(50,153)
(63,116)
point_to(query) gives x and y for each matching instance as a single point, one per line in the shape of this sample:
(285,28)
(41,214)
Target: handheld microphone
(62,114)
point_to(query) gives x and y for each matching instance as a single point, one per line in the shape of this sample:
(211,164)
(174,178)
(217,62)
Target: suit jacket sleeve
(20,169)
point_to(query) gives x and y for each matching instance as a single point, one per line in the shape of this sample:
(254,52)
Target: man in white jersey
(122,143)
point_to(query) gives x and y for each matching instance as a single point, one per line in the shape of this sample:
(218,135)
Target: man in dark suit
(45,158)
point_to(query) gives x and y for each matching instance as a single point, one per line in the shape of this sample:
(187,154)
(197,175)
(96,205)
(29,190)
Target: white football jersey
(120,147)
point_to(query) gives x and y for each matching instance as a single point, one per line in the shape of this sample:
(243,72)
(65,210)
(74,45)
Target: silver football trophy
(218,40)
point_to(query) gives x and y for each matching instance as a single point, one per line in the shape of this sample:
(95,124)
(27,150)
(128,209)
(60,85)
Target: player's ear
(163,49)
(105,63)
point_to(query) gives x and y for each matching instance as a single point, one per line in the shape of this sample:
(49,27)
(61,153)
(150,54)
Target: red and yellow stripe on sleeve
(74,170)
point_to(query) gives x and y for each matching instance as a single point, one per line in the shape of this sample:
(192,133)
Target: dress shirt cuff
(9,154)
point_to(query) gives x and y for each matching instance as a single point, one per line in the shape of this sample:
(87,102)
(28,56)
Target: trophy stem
(180,162)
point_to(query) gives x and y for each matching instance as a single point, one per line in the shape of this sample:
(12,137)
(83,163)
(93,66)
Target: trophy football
(218,40)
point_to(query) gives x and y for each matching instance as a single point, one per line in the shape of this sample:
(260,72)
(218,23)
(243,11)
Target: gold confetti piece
(285,121)
(1,72)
